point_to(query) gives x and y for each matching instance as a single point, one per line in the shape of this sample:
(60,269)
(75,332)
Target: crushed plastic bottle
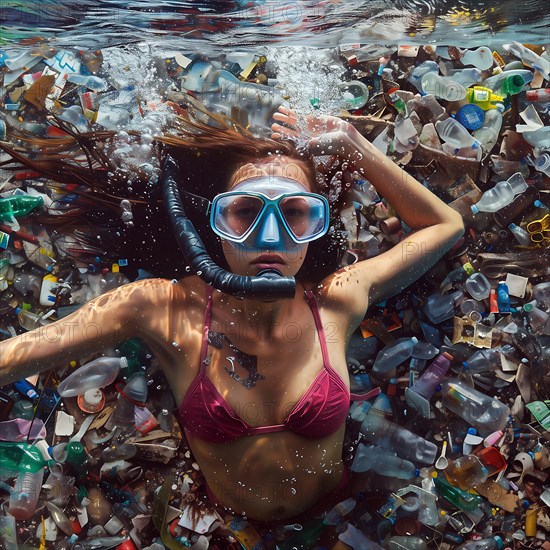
(453,133)
(501,194)
(482,412)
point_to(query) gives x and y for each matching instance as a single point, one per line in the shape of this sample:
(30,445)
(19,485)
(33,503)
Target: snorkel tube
(268,285)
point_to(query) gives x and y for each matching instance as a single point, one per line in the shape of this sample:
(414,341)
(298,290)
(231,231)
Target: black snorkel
(268,285)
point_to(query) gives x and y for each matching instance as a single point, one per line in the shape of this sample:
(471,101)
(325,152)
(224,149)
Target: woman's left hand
(324,135)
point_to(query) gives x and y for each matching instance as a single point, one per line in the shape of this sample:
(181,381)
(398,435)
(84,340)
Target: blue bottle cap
(472,431)
(471,116)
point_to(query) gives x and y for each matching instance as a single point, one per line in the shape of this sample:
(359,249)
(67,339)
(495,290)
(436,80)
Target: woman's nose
(269,233)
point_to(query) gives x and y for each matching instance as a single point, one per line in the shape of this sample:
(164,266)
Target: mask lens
(304,215)
(236,214)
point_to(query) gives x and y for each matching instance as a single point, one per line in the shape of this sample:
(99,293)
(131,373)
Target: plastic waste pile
(452,440)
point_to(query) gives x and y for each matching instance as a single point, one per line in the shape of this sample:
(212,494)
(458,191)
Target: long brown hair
(82,169)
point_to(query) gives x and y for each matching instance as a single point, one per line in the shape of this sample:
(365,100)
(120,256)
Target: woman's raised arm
(99,324)
(436,226)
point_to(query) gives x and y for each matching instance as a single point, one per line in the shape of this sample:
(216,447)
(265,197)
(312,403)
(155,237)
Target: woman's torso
(274,475)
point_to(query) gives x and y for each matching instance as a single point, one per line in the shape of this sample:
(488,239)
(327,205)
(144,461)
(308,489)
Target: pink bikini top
(320,411)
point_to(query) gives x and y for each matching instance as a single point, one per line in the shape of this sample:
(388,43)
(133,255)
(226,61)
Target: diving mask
(267,205)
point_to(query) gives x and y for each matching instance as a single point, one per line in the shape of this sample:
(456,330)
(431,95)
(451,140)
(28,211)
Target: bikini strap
(206,327)
(310,297)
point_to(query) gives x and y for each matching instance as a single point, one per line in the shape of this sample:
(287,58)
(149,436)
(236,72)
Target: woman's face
(281,252)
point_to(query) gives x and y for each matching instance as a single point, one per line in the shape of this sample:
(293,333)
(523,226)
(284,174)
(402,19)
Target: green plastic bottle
(18,205)
(467,502)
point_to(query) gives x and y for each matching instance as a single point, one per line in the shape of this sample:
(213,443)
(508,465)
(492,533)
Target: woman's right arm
(99,324)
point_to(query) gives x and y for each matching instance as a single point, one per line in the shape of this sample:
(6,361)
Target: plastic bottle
(388,435)
(20,429)
(482,412)
(489,132)
(466,472)
(484,360)
(538,138)
(442,87)
(521,236)
(483,544)
(541,293)
(453,133)
(478,286)
(427,384)
(338,512)
(419,71)
(481,57)
(501,195)
(29,320)
(16,206)
(466,77)
(440,307)
(539,320)
(409,543)
(26,462)
(91,82)
(383,462)
(392,356)
(538,96)
(98,373)
(503,297)
(465,501)
(542,163)
(497,81)
(522,202)
(529,57)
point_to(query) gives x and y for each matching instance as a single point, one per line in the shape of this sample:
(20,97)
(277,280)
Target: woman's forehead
(276,167)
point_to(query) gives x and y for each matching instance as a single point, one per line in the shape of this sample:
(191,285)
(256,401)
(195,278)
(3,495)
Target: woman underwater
(261,383)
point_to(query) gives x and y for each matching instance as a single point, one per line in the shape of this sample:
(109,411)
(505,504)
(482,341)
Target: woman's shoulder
(158,290)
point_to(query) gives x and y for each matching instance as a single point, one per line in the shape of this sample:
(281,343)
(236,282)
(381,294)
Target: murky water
(212,25)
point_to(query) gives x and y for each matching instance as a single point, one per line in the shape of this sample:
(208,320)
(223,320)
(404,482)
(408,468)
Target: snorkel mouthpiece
(268,285)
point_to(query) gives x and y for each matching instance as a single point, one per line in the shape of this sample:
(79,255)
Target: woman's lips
(266,261)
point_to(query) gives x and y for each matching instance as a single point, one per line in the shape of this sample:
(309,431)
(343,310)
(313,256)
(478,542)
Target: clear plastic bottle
(538,138)
(29,320)
(383,462)
(529,58)
(466,77)
(94,83)
(482,412)
(338,512)
(25,493)
(453,133)
(20,429)
(466,472)
(392,356)
(483,544)
(501,194)
(440,307)
(388,435)
(542,163)
(484,360)
(478,286)
(541,293)
(408,543)
(512,211)
(521,236)
(538,319)
(538,96)
(481,57)
(419,71)
(427,384)
(98,373)
(442,87)
(489,132)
